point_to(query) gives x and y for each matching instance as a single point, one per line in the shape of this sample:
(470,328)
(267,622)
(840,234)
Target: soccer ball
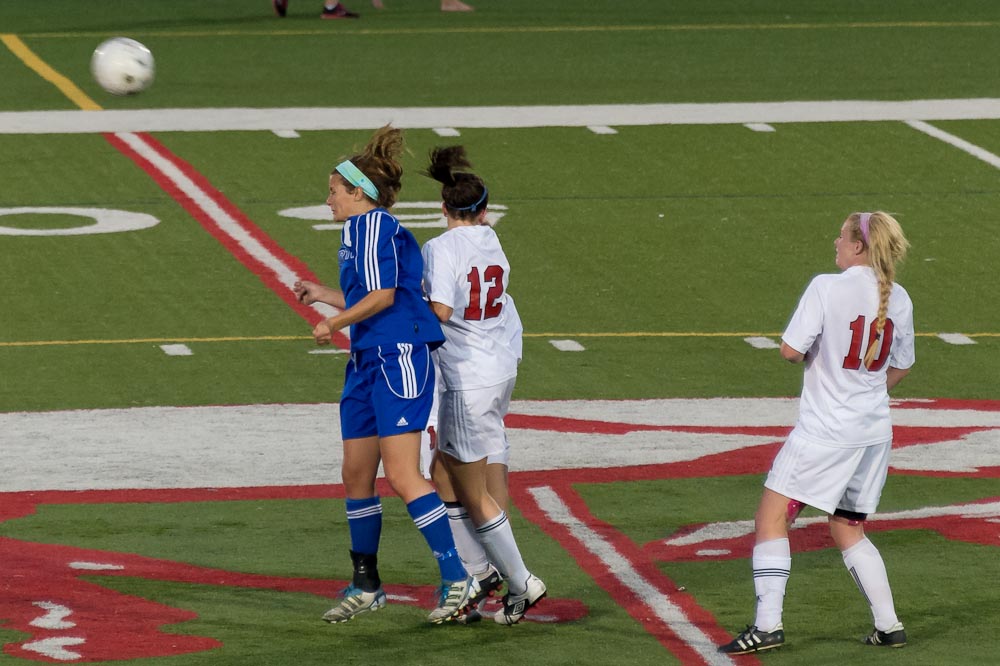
(122,66)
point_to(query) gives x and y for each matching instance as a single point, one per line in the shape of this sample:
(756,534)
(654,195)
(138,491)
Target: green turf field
(659,248)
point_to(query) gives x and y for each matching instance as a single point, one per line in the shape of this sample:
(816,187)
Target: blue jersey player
(389,380)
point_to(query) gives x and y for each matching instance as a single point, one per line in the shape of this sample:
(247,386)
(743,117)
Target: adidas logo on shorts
(402,422)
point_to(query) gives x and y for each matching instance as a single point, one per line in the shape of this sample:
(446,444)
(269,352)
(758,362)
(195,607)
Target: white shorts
(470,423)
(830,477)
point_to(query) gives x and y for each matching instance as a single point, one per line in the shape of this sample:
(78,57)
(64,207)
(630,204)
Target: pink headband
(865,217)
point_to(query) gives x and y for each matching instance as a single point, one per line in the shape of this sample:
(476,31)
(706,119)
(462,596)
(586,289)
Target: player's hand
(323,332)
(305,291)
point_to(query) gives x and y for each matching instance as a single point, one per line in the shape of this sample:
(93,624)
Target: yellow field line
(286,338)
(536,29)
(155,341)
(67,87)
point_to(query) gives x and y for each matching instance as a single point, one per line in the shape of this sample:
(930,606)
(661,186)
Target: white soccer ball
(122,66)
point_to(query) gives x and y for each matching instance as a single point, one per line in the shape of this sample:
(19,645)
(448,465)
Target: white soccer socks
(469,549)
(772,561)
(865,564)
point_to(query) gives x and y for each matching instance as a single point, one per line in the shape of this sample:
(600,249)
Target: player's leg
(470,551)
(280,7)
(771,561)
(400,457)
(494,531)
(403,397)
(363,506)
(861,557)
(364,521)
(497,466)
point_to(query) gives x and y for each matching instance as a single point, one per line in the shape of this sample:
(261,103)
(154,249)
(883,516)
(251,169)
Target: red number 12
(493,275)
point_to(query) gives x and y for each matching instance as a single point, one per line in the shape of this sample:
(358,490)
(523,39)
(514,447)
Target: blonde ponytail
(887,246)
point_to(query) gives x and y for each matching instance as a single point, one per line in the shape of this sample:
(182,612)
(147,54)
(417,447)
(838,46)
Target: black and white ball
(122,66)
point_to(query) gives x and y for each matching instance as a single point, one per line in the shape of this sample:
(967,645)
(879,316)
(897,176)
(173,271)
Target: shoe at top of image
(338,12)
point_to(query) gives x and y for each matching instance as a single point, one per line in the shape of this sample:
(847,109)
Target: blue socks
(431,518)
(364,519)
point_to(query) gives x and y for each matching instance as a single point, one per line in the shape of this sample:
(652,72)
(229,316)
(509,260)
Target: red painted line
(949,403)
(264,273)
(619,592)
(592,426)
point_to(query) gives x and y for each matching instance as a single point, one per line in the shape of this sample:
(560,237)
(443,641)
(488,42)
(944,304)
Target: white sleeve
(807,320)
(903,354)
(439,278)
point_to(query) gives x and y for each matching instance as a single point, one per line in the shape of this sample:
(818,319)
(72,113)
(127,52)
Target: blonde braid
(884,289)
(886,247)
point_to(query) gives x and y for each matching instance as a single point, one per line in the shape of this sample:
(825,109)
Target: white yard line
(980,153)
(621,568)
(597,115)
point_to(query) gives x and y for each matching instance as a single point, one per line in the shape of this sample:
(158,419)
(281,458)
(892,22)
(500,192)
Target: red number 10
(493,275)
(856,354)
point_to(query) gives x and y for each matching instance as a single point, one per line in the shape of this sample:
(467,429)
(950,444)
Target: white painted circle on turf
(102,221)
(429,218)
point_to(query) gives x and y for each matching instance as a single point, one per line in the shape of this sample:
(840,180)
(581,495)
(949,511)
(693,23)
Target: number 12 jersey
(465,268)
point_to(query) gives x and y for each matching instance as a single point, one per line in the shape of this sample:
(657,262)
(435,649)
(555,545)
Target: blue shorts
(388,390)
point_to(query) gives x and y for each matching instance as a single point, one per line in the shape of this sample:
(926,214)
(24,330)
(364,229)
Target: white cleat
(453,599)
(516,605)
(355,602)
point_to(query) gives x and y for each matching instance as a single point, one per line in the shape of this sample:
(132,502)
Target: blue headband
(353,175)
(475,205)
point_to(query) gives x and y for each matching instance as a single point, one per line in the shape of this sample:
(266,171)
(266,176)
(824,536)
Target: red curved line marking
(265,274)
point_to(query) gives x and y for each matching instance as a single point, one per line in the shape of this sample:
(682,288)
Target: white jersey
(466,269)
(843,403)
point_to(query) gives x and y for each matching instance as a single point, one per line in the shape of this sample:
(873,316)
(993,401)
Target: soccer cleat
(338,12)
(280,7)
(453,599)
(488,586)
(754,640)
(895,637)
(355,602)
(516,605)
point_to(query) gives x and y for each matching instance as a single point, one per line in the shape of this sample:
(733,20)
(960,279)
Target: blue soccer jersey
(377,252)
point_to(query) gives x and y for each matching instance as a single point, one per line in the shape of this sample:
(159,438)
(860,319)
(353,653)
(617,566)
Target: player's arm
(893,376)
(441,311)
(790,354)
(369,306)
(309,292)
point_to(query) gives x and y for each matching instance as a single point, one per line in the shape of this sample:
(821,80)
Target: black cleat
(754,640)
(895,637)
(488,586)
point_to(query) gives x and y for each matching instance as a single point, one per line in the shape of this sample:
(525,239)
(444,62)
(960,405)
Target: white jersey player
(854,330)
(466,276)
